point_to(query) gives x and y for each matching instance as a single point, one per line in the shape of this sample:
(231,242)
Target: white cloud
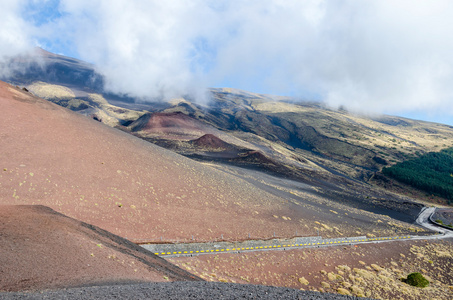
(381,56)
(14,32)
(141,46)
(391,56)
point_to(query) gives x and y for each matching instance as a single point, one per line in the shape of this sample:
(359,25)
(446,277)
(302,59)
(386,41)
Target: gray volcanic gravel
(176,290)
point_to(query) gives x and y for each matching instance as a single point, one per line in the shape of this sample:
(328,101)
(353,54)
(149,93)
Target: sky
(387,56)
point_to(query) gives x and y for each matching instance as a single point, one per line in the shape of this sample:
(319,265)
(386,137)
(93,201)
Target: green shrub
(417,279)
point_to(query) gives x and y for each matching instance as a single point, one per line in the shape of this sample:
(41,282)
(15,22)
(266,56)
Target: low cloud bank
(374,56)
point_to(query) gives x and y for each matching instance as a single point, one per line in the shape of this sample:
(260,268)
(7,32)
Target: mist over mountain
(41,65)
(376,58)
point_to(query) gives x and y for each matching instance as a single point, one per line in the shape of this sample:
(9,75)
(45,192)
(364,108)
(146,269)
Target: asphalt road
(423,220)
(175,250)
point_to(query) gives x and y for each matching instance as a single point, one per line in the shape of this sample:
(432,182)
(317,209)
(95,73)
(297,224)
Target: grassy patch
(416,279)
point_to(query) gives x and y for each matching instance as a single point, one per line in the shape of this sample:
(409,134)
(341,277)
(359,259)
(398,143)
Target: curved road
(423,220)
(190,249)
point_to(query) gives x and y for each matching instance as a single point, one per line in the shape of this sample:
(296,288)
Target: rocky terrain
(178,290)
(241,166)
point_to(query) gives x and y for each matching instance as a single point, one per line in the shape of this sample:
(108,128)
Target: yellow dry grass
(47,91)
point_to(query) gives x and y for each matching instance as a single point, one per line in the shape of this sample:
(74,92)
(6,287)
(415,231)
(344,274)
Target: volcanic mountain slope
(169,125)
(71,83)
(301,140)
(41,65)
(42,249)
(296,133)
(186,135)
(282,127)
(302,134)
(132,188)
(100,175)
(322,134)
(329,155)
(210,141)
(87,102)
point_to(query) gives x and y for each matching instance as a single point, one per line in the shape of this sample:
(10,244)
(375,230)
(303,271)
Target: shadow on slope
(41,248)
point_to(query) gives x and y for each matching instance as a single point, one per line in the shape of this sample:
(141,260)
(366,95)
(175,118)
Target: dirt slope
(88,171)
(40,249)
(175,125)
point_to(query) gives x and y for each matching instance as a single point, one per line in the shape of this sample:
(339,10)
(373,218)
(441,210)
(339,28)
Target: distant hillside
(42,65)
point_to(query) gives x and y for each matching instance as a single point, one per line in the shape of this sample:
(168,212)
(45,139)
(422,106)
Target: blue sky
(393,57)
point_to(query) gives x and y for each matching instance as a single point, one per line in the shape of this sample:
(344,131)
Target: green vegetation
(439,221)
(431,173)
(416,279)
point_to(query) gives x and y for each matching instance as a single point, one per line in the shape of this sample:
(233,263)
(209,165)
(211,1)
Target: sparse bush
(303,281)
(343,291)
(416,279)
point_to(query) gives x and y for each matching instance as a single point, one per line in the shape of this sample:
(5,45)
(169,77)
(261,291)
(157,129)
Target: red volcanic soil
(170,125)
(210,141)
(132,188)
(42,249)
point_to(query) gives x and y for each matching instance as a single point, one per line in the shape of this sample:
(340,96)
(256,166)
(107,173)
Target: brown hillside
(102,176)
(108,178)
(170,125)
(41,249)
(210,141)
